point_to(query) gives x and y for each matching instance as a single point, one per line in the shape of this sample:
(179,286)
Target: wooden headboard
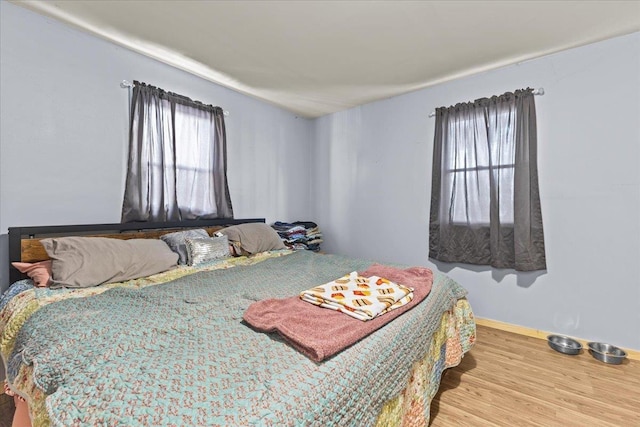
(25,246)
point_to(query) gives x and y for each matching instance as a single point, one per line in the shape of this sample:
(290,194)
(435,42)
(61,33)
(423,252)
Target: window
(473,164)
(177,159)
(485,205)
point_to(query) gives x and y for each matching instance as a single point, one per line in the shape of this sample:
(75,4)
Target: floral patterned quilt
(173,350)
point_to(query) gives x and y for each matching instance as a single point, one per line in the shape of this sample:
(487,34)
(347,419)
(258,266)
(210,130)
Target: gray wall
(63,133)
(373,181)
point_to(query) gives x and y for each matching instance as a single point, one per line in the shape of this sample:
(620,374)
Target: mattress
(172,349)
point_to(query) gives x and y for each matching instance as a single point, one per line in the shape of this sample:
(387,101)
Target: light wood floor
(514,380)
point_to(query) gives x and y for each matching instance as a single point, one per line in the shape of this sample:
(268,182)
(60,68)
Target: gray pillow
(176,241)
(207,249)
(80,262)
(253,237)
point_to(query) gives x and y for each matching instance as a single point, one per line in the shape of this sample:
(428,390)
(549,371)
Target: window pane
(470,192)
(194,161)
(504,177)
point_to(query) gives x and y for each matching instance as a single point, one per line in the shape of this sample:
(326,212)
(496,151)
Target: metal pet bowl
(564,345)
(607,353)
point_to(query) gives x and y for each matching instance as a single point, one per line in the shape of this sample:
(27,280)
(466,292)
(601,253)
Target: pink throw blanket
(319,332)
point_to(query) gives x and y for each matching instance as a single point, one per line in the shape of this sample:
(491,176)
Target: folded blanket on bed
(363,298)
(320,334)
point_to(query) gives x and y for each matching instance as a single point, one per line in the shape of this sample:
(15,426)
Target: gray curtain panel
(177,159)
(485,202)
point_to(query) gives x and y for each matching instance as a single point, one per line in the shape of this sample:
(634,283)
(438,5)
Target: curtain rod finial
(125,84)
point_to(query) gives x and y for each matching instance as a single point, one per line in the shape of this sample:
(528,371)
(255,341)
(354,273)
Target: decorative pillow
(176,241)
(80,262)
(253,237)
(39,272)
(203,250)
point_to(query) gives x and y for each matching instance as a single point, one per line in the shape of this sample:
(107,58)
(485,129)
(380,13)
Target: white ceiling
(319,57)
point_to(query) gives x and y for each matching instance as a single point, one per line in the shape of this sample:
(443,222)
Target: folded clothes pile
(299,235)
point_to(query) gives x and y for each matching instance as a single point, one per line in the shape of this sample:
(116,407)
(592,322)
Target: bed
(173,349)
